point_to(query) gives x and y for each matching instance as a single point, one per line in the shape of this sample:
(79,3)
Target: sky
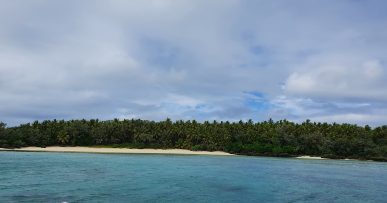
(323,60)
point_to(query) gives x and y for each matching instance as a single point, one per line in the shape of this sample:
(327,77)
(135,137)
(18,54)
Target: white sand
(116,150)
(309,157)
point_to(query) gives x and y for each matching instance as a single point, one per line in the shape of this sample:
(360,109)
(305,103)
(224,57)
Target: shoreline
(310,157)
(109,150)
(117,151)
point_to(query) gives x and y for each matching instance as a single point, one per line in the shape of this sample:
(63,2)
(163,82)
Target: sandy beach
(309,157)
(117,150)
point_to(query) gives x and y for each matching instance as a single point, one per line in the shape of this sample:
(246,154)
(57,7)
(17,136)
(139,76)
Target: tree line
(268,138)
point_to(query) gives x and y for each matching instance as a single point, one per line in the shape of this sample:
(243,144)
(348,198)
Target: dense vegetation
(282,138)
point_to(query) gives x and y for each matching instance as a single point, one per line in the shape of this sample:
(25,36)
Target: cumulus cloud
(365,82)
(193,60)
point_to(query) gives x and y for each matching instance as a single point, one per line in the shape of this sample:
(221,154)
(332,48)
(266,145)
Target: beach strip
(309,157)
(117,150)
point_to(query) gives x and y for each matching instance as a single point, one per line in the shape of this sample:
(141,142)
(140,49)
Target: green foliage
(63,138)
(268,138)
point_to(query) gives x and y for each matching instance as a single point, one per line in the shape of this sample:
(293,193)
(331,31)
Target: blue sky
(205,60)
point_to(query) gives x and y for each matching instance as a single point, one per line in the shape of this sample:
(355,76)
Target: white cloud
(191,59)
(365,82)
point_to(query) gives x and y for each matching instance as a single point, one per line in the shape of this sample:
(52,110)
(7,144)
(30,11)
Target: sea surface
(79,177)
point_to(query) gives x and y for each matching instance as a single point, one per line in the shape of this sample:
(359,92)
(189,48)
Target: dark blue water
(73,177)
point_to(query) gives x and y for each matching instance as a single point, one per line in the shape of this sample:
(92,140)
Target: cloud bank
(204,60)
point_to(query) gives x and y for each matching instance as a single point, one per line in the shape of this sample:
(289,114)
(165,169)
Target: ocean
(82,177)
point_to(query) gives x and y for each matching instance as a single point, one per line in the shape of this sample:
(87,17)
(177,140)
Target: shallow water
(77,177)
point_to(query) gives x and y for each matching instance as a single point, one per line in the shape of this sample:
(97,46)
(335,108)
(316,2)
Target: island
(268,138)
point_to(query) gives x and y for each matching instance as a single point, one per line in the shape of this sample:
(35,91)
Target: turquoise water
(74,177)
